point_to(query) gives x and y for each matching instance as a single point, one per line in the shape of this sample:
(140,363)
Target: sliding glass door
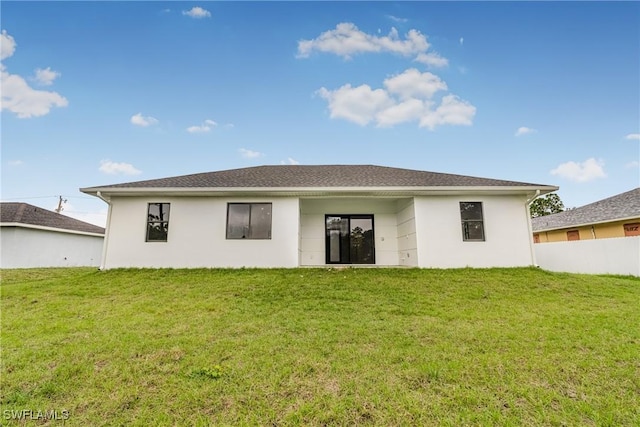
(350,239)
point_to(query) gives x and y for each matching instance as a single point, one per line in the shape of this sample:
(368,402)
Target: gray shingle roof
(621,206)
(308,176)
(24,213)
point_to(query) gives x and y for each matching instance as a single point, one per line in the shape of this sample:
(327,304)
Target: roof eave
(586,224)
(317,191)
(45,228)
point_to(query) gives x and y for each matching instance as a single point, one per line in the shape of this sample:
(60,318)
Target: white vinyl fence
(600,256)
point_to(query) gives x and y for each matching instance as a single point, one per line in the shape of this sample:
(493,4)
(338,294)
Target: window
(573,235)
(632,229)
(350,239)
(472,223)
(249,221)
(157,222)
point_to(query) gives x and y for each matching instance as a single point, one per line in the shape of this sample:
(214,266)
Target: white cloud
(114,168)
(206,126)
(197,12)
(358,105)
(249,154)
(289,161)
(140,120)
(432,60)
(632,164)
(451,111)
(21,99)
(7,45)
(347,40)
(461,41)
(414,84)
(588,170)
(16,163)
(523,130)
(635,136)
(397,19)
(406,97)
(17,96)
(46,77)
(98,217)
(95,218)
(411,109)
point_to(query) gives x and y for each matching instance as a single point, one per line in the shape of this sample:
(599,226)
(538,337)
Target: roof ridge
(316,176)
(591,205)
(615,196)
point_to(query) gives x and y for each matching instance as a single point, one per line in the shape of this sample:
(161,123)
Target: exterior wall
(312,227)
(197,235)
(440,243)
(542,237)
(28,248)
(407,238)
(598,231)
(424,231)
(555,236)
(600,256)
(612,229)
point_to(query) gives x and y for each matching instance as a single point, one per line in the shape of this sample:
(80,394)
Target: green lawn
(320,347)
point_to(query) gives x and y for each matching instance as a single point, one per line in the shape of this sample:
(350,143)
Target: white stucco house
(295,215)
(34,237)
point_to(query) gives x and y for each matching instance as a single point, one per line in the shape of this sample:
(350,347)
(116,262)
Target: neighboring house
(290,216)
(34,237)
(617,216)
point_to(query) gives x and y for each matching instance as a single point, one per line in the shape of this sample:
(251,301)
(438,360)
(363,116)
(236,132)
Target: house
(599,238)
(34,237)
(294,215)
(617,216)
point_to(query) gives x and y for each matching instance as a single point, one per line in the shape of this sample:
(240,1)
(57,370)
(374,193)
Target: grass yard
(320,347)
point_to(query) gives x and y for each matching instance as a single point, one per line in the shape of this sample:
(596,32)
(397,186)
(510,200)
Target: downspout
(105,245)
(527,205)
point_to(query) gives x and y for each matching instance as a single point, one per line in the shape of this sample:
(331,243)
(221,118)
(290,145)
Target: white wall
(197,235)
(312,227)
(407,240)
(439,232)
(600,256)
(424,232)
(28,247)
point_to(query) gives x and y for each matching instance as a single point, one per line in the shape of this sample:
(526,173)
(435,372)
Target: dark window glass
(249,221)
(350,239)
(238,221)
(157,222)
(472,221)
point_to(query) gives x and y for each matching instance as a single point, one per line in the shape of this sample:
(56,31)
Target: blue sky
(100,93)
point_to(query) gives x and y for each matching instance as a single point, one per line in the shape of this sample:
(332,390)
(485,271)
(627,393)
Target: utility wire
(49,197)
(33,197)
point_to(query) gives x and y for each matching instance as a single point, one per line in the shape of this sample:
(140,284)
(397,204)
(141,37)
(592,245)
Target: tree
(546,205)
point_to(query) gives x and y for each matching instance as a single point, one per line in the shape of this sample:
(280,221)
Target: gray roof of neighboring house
(621,206)
(291,176)
(24,213)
